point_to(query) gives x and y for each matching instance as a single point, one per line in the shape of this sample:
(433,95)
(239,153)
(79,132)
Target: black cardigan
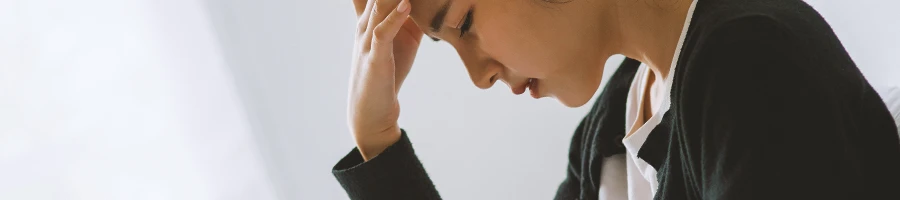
(766,104)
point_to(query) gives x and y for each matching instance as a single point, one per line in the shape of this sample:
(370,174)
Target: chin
(574,93)
(574,101)
(575,97)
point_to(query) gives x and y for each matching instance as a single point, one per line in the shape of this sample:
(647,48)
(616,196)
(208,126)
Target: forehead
(423,11)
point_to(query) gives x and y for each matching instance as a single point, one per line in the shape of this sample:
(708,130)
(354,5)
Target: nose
(486,75)
(482,68)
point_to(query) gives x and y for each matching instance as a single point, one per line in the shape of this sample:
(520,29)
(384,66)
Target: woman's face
(560,45)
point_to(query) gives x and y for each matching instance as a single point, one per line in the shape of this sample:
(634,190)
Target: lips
(520,88)
(533,87)
(530,84)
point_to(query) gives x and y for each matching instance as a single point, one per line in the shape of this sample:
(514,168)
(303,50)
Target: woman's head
(562,45)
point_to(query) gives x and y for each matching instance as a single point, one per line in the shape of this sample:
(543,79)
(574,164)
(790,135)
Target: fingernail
(404,5)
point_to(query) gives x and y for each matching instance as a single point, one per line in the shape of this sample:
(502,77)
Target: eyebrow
(438,21)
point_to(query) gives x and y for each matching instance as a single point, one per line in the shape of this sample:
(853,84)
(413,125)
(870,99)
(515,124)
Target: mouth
(532,86)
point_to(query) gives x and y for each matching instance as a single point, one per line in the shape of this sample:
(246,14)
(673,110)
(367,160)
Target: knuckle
(381,34)
(370,61)
(377,40)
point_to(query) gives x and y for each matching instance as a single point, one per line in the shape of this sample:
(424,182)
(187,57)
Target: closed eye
(467,24)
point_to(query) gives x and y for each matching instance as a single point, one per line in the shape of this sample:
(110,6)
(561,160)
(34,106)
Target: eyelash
(467,24)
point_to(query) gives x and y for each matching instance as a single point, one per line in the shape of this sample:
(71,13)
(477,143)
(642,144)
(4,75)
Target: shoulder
(759,51)
(742,19)
(741,48)
(761,37)
(791,13)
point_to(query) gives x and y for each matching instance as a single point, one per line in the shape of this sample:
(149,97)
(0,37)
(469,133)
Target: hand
(386,45)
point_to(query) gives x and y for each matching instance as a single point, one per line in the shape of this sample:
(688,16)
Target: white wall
(292,58)
(870,31)
(120,99)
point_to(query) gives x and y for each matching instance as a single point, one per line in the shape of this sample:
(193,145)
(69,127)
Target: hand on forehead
(383,5)
(429,15)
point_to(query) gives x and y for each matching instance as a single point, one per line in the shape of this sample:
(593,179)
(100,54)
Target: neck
(649,31)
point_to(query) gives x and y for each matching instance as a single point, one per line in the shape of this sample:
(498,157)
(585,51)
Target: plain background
(121,99)
(241,99)
(293,58)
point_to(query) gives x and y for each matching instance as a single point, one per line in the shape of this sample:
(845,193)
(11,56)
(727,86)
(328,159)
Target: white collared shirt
(625,176)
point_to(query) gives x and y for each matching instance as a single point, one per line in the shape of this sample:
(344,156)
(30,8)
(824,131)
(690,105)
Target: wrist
(372,144)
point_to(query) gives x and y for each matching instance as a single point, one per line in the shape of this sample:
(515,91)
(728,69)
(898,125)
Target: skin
(563,46)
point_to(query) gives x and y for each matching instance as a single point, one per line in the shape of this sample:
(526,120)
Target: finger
(360,6)
(379,11)
(363,20)
(384,33)
(403,64)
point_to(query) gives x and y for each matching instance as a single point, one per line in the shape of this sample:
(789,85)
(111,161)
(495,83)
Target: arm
(383,166)
(395,173)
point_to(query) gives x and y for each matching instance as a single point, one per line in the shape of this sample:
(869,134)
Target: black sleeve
(396,173)
(761,122)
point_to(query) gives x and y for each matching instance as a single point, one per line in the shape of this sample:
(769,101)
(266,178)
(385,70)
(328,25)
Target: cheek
(516,49)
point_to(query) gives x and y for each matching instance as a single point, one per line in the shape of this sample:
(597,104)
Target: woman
(736,99)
